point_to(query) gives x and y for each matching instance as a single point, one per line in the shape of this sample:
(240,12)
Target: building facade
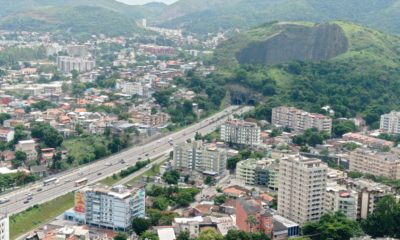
(384,164)
(261,219)
(241,132)
(390,123)
(68,64)
(4,227)
(301,188)
(28,147)
(339,200)
(195,156)
(112,208)
(258,172)
(299,120)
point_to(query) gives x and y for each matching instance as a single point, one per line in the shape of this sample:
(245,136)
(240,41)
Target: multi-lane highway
(98,170)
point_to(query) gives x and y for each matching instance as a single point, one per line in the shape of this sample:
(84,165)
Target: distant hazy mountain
(77,16)
(140,2)
(211,15)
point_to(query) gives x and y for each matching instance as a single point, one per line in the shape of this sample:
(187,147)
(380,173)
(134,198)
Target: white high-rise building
(4,227)
(67,64)
(195,156)
(299,120)
(241,132)
(112,208)
(390,123)
(301,188)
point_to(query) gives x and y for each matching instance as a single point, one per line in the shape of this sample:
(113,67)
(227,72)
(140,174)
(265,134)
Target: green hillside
(212,15)
(363,78)
(80,19)
(76,16)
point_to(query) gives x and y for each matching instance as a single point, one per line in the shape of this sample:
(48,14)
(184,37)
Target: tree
(149,235)
(333,226)
(341,127)
(160,203)
(232,162)
(3,117)
(251,222)
(219,200)
(75,74)
(385,220)
(183,235)
(20,158)
(121,236)
(46,133)
(19,134)
(241,235)
(57,161)
(209,180)
(184,199)
(171,177)
(210,234)
(140,225)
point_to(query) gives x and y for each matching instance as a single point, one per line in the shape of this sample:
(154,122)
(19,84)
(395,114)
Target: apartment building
(68,64)
(241,132)
(6,135)
(365,160)
(390,123)
(299,120)
(250,207)
(112,208)
(369,195)
(196,156)
(258,172)
(301,188)
(367,140)
(339,199)
(28,147)
(76,50)
(153,120)
(4,227)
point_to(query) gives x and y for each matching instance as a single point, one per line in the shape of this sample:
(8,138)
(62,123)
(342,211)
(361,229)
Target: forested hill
(357,74)
(109,17)
(212,15)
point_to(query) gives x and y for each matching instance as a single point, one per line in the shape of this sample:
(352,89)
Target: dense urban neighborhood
(164,132)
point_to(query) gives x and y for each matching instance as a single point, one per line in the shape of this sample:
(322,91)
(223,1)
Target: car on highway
(107,164)
(139,158)
(99,173)
(122,161)
(39,189)
(68,180)
(26,201)
(146,154)
(4,200)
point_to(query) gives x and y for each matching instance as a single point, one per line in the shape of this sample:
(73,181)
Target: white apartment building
(77,50)
(299,120)
(390,123)
(68,64)
(339,199)
(4,227)
(28,147)
(112,208)
(195,156)
(301,188)
(258,172)
(365,160)
(241,132)
(6,135)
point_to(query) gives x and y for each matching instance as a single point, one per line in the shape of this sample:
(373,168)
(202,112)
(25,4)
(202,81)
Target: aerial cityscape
(199,120)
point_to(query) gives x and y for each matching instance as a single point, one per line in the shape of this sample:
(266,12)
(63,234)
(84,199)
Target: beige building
(299,120)
(301,188)
(385,164)
(241,132)
(28,147)
(390,123)
(195,156)
(339,199)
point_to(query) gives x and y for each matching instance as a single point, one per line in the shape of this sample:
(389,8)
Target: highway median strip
(39,215)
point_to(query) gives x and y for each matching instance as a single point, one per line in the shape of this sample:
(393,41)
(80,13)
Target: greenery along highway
(18,200)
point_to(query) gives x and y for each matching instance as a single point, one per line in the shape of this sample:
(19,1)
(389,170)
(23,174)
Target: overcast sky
(136,2)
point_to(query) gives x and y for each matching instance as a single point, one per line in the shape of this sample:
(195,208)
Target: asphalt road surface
(65,183)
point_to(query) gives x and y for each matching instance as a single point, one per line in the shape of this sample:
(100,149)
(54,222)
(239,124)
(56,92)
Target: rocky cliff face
(297,42)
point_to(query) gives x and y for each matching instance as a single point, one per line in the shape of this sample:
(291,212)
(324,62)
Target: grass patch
(110,181)
(38,215)
(153,171)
